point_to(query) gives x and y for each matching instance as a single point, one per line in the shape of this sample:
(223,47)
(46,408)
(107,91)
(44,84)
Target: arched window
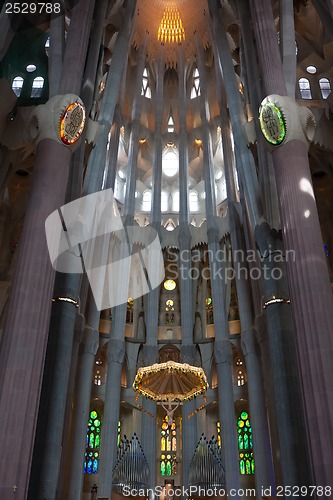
(164,201)
(195,92)
(170,162)
(91,460)
(240,373)
(325,87)
(146,201)
(244,429)
(145,90)
(305,89)
(37,86)
(17,85)
(171,125)
(175,201)
(168,448)
(194,201)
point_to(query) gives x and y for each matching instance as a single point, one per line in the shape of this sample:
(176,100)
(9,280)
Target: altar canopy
(170,381)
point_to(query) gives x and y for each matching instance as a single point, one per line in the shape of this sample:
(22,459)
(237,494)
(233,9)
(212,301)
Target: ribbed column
(288,45)
(82,405)
(25,334)
(222,349)
(133,148)
(310,289)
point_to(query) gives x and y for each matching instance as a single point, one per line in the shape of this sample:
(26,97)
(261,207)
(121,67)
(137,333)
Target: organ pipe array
(206,467)
(132,467)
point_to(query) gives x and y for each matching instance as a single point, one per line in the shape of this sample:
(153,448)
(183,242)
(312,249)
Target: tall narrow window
(145,90)
(171,125)
(168,448)
(170,162)
(164,201)
(17,85)
(175,201)
(119,436)
(244,429)
(91,460)
(195,92)
(240,373)
(146,201)
(194,201)
(37,86)
(325,87)
(305,89)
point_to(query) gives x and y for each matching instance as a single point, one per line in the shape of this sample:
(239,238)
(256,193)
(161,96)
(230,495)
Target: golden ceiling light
(171,28)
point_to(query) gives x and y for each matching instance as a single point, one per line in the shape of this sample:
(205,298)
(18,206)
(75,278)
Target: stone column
(82,405)
(152,302)
(116,344)
(279,319)
(110,96)
(25,337)
(264,475)
(133,149)
(150,356)
(310,290)
(108,453)
(222,349)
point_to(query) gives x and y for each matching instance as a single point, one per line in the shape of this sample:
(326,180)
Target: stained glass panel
(92,444)
(244,429)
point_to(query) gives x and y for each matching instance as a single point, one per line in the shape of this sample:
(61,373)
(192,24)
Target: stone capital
(223,351)
(90,340)
(149,354)
(116,351)
(189,354)
(249,341)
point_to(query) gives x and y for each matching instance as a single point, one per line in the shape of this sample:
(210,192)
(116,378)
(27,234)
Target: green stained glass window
(119,433)
(244,429)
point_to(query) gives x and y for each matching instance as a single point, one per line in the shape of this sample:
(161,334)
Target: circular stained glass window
(272,123)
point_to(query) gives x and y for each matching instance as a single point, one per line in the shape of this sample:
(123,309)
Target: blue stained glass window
(92,444)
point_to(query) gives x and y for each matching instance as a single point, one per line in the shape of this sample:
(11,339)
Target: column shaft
(307,272)
(26,331)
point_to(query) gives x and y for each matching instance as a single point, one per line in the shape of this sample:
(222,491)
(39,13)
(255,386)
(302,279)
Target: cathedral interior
(210,122)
